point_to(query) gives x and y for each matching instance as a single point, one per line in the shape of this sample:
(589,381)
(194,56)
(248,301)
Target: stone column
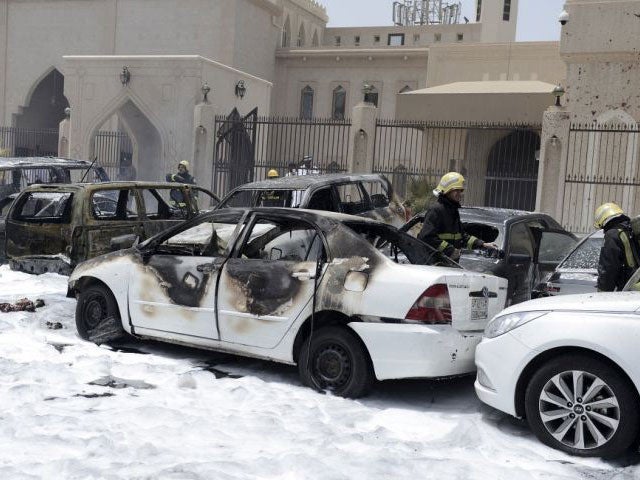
(554,146)
(203,143)
(361,137)
(63,135)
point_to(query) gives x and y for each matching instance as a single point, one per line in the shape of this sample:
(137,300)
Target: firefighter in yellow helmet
(183,176)
(442,228)
(273,173)
(619,253)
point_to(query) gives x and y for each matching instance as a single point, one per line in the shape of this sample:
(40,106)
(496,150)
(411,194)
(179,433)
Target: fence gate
(114,153)
(499,161)
(248,147)
(602,166)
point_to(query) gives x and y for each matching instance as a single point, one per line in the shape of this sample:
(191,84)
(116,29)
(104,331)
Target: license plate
(479,309)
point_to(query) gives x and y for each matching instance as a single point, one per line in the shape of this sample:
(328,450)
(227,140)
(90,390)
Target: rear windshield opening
(44,207)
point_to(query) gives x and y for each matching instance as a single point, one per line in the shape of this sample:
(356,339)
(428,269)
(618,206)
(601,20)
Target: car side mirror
(518,258)
(275,254)
(123,241)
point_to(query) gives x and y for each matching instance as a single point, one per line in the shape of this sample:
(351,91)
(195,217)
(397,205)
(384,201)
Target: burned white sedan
(294,286)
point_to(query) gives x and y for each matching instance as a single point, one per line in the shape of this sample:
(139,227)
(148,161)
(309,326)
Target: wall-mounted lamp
(201,130)
(67,112)
(554,141)
(241,89)
(205,89)
(558,92)
(125,76)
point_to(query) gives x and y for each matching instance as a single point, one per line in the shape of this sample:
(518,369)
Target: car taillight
(432,307)
(549,288)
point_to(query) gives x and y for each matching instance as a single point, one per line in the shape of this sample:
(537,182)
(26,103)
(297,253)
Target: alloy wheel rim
(579,410)
(332,366)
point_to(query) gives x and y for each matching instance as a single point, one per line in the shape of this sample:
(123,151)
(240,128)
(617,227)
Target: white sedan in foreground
(295,286)
(568,364)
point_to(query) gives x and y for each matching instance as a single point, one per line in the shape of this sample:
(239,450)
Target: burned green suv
(52,228)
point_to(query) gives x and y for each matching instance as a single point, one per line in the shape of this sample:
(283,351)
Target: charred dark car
(51,228)
(17,173)
(367,195)
(531,246)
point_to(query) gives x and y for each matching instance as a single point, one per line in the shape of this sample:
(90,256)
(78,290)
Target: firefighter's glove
(455,255)
(490,246)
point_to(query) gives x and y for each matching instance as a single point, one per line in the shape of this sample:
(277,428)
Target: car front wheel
(583,406)
(97,315)
(333,359)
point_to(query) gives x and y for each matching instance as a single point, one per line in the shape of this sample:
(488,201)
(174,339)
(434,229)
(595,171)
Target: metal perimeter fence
(248,147)
(28,142)
(499,161)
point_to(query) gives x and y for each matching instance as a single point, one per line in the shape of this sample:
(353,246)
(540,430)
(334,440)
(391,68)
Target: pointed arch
(339,103)
(315,41)
(616,117)
(286,33)
(44,103)
(301,36)
(405,89)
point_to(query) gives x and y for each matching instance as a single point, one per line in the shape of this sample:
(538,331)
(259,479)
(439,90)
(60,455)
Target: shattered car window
(400,246)
(377,193)
(293,241)
(158,204)
(50,207)
(114,205)
(265,198)
(207,239)
(586,255)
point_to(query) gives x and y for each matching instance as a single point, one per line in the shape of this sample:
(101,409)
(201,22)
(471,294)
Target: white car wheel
(582,406)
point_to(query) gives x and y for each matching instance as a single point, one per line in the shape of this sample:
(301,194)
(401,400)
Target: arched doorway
(512,171)
(129,146)
(45,108)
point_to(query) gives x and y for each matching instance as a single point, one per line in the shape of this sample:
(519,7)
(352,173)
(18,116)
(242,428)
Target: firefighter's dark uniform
(442,228)
(618,256)
(175,194)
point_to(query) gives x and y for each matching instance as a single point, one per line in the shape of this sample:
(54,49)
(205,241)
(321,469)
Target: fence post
(362,137)
(63,135)
(552,170)
(203,143)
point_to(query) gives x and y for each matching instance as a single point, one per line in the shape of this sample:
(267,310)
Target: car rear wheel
(333,359)
(583,406)
(97,315)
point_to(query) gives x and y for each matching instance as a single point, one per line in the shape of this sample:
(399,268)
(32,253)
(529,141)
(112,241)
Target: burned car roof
(306,181)
(35,162)
(495,215)
(108,185)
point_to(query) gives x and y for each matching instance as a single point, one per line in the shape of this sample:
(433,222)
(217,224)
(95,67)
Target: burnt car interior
(278,240)
(44,207)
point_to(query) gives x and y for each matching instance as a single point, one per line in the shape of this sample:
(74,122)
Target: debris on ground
(22,305)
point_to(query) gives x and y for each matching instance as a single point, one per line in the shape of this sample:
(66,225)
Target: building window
(315,42)
(301,36)
(478,10)
(356,40)
(506,12)
(339,103)
(416,38)
(395,39)
(306,103)
(460,37)
(437,37)
(337,41)
(372,96)
(376,39)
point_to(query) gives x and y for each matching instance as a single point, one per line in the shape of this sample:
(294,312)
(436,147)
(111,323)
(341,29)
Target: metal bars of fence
(602,165)
(28,142)
(114,153)
(279,143)
(500,161)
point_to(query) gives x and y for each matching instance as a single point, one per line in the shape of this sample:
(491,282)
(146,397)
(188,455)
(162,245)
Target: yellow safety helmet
(273,173)
(184,163)
(606,212)
(449,181)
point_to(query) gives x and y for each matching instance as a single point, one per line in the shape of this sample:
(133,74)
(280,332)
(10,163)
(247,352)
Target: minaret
(498,18)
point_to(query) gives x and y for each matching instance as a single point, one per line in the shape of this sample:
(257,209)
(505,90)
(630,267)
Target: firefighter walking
(442,228)
(619,254)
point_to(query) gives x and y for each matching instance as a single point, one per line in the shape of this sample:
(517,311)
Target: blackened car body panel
(54,227)
(367,195)
(263,281)
(531,245)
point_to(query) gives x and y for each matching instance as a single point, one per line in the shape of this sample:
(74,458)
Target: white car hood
(622,302)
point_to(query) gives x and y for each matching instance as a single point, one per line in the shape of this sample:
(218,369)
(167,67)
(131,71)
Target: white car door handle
(303,275)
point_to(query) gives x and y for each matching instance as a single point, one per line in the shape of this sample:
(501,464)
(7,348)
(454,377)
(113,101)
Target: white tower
(499,19)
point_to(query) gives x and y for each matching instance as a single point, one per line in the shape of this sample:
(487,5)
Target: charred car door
(269,280)
(552,247)
(175,291)
(520,266)
(109,213)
